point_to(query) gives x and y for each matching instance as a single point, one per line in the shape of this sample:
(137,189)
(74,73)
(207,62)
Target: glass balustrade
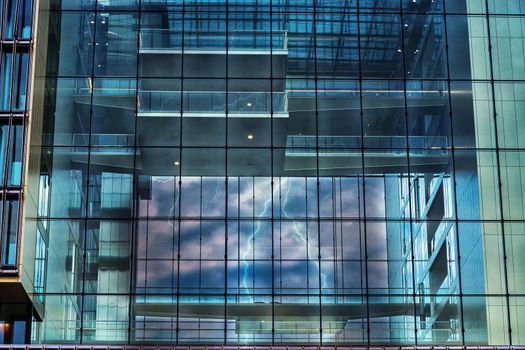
(212,40)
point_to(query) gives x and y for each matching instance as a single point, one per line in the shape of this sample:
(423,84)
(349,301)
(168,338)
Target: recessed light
(250,137)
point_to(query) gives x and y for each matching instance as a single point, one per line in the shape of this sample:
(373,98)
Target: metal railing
(436,145)
(213,40)
(104,143)
(212,101)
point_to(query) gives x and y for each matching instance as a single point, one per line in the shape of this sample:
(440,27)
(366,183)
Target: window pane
(5,93)
(14,167)
(10,230)
(10,18)
(20,83)
(24,22)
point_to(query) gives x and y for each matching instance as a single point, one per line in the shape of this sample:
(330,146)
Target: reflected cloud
(296,236)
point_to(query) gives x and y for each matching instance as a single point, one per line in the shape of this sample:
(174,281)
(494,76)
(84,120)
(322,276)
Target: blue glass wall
(281,172)
(15,42)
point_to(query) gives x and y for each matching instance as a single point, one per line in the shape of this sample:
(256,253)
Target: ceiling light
(249,104)
(176,162)
(250,137)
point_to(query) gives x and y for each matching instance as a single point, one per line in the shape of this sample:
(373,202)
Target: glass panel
(516,304)
(10,19)
(76,38)
(5,93)
(20,81)
(10,232)
(14,166)
(115,44)
(286,173)
(507,39)
(510,105)
(4,140)
(40,265)
(24,21)
(514,246)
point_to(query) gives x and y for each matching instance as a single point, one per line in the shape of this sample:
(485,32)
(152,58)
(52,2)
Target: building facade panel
(270,172)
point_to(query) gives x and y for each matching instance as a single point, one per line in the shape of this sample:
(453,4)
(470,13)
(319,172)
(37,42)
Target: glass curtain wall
(281,172)
(15,39)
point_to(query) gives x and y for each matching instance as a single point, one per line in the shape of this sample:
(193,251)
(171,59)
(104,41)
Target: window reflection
(11,145)
(7,64)
(24,18)
(258,176)
(20,81)
(9,225)
(9,20)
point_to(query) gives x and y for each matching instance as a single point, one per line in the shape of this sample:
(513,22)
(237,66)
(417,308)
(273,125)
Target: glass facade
(306,172)
(15,41)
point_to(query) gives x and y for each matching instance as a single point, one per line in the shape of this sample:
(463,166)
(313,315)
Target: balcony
(381,154)
(246,53)
(204,40)
(209,119)
(113,151)
(213,103)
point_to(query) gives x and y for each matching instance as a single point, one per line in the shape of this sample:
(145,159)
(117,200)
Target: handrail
(210,39)
(309,143)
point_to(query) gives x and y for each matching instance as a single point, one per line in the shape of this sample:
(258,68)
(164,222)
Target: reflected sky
(261,222)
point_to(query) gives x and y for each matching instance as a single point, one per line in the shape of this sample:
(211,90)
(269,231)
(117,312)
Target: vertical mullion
(7,153)
(2,14)
(135,202)
(200,238)
(318,179)
(88,171)
(498,164)
(181,164)
(12,78)
(452,150)
(226,151)
(407,150)
(361,184)
(272,170)
(16,19)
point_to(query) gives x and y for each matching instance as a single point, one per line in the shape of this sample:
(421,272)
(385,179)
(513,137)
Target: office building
(257,172)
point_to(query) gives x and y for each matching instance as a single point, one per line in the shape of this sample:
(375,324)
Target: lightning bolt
(171,215)
(215,195)
(298,233)
(248,249)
